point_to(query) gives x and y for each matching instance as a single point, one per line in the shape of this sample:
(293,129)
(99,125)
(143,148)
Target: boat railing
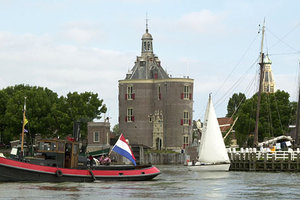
(263,154)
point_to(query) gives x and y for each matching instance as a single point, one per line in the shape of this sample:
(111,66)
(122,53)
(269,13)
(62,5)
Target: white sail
(212,147)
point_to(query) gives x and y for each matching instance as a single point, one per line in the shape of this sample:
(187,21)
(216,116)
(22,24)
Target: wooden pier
(277,161)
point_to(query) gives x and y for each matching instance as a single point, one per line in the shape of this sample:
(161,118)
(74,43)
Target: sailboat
(212,151)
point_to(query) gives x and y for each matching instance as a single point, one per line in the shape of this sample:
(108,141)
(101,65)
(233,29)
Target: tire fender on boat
(58,173)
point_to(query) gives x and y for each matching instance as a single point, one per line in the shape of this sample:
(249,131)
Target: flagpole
(114,145)
(22,141)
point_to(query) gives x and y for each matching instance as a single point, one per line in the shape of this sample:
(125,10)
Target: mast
(298,115)
(23,127)
(260,86)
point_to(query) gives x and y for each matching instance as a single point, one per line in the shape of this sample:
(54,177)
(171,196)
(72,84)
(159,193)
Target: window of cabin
(61,146)
(75,149)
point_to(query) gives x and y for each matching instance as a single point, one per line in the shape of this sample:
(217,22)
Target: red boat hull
(11,170)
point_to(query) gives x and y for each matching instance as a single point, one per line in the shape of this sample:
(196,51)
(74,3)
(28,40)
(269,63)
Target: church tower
(154,109)
(268,80)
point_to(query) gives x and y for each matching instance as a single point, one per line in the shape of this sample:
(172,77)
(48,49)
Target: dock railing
(264,153)
(251,159)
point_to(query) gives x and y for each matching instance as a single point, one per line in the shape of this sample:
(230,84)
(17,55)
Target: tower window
(148,46)
(130,95)
(145,44)
(266,76)
(186,92)
(158,93)
(186,118)
(142,63)
(130,117)
(185,141)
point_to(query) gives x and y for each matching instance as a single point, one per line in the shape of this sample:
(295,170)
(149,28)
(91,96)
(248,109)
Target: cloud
(204,21)
(43,61)
(81,32)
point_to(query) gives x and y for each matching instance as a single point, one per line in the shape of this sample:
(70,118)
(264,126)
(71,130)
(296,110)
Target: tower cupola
(147,45)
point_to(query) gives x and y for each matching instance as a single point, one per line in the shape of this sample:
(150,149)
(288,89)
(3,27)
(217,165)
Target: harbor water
(175,182)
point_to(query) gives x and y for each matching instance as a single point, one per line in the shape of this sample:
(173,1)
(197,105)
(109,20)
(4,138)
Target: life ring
(58,173)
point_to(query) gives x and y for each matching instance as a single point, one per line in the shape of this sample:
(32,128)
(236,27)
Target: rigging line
(270,116)
(235,84)
(251,84)
(278,112)
(240,103)
(281,40)
(292,30)
(280,54)
(266,42)
(239,62)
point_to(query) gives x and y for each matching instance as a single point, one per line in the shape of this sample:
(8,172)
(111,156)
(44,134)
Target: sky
(89,45)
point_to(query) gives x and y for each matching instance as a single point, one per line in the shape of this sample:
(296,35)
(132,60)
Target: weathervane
(147,22)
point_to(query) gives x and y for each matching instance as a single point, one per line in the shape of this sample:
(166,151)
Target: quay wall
(164,158)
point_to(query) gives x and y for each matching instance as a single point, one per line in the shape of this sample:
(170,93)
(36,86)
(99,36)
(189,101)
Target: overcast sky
(89,45)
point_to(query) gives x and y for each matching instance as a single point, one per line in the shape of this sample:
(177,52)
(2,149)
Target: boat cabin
(58,153)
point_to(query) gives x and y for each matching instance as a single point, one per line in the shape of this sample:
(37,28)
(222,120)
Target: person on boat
(107,160)
(91,158)
(101,159)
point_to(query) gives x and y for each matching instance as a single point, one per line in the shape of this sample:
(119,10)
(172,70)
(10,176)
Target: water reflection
(59,188)
(175,182)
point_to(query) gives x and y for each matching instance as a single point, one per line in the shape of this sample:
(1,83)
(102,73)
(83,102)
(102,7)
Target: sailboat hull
(209,167)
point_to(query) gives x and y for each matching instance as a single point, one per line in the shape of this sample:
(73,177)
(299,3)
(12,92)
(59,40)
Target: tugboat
(57,161)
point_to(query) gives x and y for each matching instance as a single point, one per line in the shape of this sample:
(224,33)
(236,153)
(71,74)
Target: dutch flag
(122,148)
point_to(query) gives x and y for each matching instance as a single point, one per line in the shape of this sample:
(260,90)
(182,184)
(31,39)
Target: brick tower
(154,109)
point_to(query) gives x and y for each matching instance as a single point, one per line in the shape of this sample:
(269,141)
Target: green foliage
(276,113)
(234,103)
(48,114)
(116,130)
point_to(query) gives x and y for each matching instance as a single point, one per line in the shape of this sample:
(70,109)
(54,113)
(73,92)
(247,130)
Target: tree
(39,103)
(3,100)
(47,114)
(116,129)
(274,119)
(234,103)
(79,107)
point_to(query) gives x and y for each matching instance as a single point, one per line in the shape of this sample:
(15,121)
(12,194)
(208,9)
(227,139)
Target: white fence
(265,153)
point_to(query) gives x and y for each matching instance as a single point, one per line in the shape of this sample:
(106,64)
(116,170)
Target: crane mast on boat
(298,114)
(260,86)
